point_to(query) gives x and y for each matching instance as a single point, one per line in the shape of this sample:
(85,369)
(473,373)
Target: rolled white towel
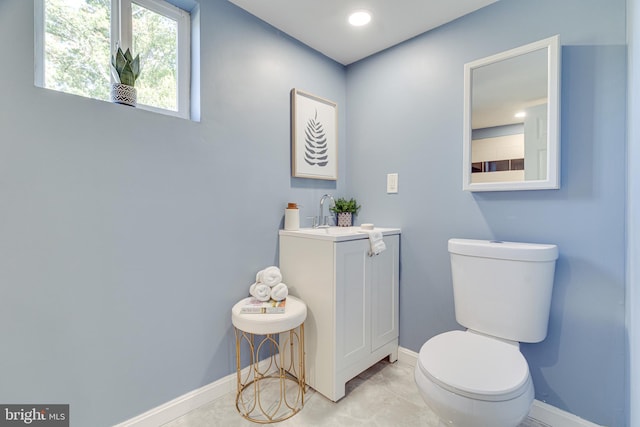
(279,292)
(252,289)
(270,276)
(261,291)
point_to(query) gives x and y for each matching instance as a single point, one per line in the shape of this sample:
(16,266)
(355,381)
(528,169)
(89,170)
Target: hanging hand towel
(376,243)
(270,276)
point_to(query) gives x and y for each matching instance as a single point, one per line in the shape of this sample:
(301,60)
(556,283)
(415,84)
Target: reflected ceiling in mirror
(511,119)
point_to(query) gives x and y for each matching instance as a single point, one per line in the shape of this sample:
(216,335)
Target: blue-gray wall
(126,236)
(405,116)
(633,213)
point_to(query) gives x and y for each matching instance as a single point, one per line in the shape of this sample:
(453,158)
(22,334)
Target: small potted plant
(345,210)
(126,70)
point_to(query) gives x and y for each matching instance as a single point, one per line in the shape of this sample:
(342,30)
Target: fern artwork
(313,136)
(316,145)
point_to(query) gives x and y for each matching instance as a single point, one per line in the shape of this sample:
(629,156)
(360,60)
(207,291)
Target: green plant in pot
(126,70)
(345,210)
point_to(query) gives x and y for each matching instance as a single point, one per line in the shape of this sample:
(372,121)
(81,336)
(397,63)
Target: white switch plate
(392,183)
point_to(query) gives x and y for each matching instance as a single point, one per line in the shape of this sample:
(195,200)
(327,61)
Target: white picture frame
(314,136)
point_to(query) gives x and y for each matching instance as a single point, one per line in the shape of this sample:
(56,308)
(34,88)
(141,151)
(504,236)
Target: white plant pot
(124,94)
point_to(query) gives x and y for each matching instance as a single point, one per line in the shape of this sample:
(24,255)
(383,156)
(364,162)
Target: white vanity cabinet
(352,301)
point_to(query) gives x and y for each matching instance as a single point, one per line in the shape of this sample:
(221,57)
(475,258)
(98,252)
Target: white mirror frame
(552,181)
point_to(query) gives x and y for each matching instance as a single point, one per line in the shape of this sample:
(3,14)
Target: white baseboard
(552,416)
(184,404)
(407,356)
(542,414)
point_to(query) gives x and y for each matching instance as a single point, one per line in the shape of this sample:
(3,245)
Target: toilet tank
(503,289)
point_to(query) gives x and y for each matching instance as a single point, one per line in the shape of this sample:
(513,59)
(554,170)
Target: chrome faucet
(322,219)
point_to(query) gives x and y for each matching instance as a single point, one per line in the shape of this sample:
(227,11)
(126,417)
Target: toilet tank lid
(504,250)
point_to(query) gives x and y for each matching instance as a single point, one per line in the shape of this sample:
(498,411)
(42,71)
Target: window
(75,40)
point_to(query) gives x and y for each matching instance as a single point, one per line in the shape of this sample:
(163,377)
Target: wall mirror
(511,119)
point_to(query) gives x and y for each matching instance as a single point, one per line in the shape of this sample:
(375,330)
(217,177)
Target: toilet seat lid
(475,366)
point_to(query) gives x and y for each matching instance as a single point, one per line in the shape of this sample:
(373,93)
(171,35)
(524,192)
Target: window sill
(142,107)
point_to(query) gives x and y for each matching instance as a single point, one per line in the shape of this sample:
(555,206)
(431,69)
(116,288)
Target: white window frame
(121,35)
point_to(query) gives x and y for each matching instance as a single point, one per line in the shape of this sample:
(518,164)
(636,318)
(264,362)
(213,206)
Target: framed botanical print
(314,136)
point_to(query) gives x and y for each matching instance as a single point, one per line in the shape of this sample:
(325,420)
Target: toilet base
(459,411)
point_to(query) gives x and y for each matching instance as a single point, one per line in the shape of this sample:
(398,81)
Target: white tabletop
(261,323)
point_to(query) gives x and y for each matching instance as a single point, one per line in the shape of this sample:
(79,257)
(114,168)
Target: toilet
(502,295)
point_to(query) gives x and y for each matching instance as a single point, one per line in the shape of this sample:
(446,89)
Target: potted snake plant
(345,209)
(125,70)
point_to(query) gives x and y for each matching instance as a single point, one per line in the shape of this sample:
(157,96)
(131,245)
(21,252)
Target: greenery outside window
(75,40)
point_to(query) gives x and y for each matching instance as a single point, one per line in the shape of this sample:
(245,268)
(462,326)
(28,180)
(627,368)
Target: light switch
(392,183)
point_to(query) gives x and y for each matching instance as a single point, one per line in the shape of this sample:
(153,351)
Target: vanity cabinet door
(366,299)
(384,274)
(353,334)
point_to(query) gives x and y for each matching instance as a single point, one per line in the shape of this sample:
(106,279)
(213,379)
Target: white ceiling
(322,24)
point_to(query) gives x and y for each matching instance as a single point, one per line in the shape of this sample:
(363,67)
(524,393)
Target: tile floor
(383,396)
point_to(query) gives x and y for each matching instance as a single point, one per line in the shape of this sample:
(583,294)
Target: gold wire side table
(271,389)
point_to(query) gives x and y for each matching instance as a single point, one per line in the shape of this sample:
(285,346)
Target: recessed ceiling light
(359,18)
(520,114)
